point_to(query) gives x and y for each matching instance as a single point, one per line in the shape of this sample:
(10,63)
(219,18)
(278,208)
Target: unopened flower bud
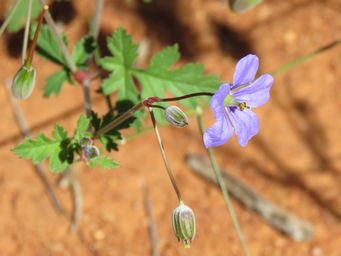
(183,222)
(176,116)
(90,152)
(24,82)
(85,141)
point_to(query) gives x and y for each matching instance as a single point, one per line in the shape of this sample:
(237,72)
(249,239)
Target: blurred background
(295,160)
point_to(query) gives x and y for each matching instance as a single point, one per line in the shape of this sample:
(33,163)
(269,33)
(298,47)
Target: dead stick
(39,169)
(69,180)
(151,222)
(288,223)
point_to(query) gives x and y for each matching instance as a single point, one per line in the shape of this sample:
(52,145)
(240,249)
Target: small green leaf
(243,5)
(48,47)
(125,53)
(83,50)
(55,83)
(104,162)
(19,17)
(82,127)
(57,150)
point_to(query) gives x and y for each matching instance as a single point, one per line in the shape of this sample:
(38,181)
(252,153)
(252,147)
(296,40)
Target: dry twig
(39,168)
(288,223)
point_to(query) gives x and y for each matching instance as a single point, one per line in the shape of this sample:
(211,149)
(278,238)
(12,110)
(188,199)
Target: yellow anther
(242,106)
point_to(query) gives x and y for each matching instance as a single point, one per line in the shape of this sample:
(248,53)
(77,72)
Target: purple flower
(232,104)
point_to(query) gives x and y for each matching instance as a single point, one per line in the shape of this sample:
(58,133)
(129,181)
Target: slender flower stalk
(29,59)
(97,18)
(120,119)
(298,61)
(52,25)
(27,30)
(148,102)
(187,96)
(9,17)
(163,153)
(221,183)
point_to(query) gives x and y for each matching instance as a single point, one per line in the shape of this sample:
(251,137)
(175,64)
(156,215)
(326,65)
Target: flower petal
(218,133)
(246,70)
(245,123)
(257,93)
(217,101)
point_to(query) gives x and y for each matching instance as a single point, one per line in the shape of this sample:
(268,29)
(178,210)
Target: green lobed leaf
(157,79)
(124,55)
(104,162)
(41,148)
(160,77)
(55,83)
(19,17)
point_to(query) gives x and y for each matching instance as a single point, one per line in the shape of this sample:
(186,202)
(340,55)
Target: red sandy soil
(295,160)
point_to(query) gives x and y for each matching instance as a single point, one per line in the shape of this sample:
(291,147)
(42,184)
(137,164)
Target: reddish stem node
(80,76)
(150,101)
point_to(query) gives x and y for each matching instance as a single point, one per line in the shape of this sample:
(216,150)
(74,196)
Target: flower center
(229,101)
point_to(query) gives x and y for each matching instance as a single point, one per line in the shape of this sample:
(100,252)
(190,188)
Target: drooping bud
(90,152)
(176,116)
(183,222)
(24,82)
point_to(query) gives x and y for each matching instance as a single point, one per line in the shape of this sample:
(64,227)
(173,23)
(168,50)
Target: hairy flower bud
(90,152)
(176,116)
(183,222)
(24,82)
(85,142)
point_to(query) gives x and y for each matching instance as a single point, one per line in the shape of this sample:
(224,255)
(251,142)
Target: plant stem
(221,183)
(187,96)
(27,30)
(29,58)
(147,102)
(87,97)
(120,119)
(96,18)
(9,17)
(52,25)
(284,68)
(164,157)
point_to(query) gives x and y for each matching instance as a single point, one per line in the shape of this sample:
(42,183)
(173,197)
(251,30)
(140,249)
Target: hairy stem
(29,59)
(87,97)
(9,17)
(27,31)
(187,96)
(52,25)
(220,181)
(164,157)
(120,119)
(292,64)
(96,18)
